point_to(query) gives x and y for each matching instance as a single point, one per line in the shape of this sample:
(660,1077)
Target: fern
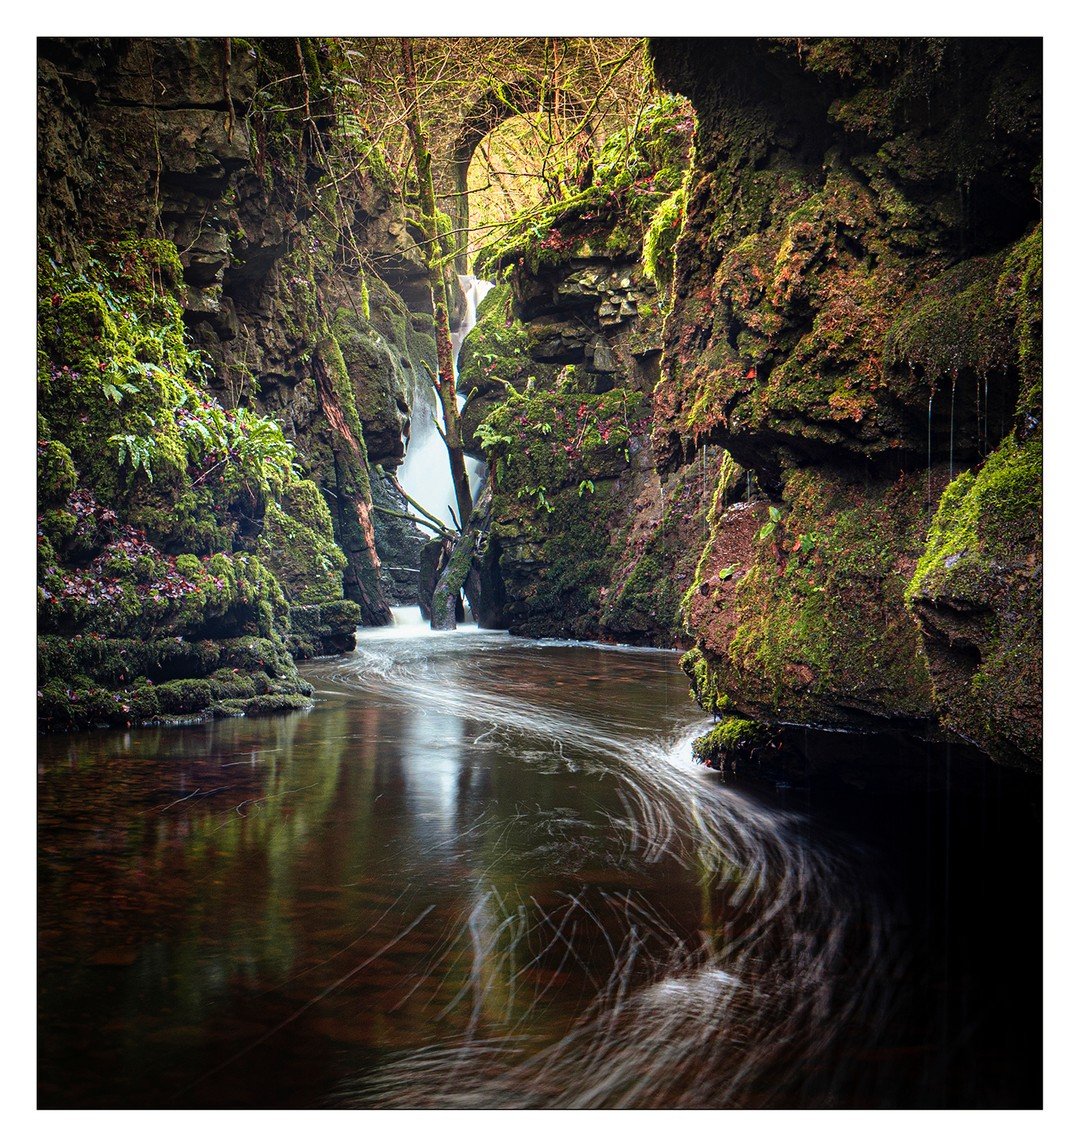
(137,450)
(115,386)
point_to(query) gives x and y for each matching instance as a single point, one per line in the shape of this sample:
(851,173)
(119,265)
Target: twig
(442,531)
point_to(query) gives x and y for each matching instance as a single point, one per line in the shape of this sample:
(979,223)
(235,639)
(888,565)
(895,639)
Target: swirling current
(482,872)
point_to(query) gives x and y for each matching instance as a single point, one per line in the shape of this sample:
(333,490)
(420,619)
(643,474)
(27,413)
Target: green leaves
(769,528)
(117,377)
(540,494)
(490,436)
(137,450)
(115,386)
(250,443)
(804,543)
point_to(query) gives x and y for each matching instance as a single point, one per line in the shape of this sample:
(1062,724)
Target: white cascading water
(425,473)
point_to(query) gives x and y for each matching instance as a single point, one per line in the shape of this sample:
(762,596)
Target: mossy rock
(986,520)
(56,477)
(307,563)
(814,628)
(728,740)
(977,594)
(185,696)
(276,703)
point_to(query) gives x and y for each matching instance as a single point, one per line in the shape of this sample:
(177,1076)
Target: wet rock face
(584,539)
(167,136)
(855,320)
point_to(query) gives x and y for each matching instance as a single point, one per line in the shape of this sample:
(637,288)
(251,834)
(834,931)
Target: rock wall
(857,322)
(208,280)
(586,539)
(829,482)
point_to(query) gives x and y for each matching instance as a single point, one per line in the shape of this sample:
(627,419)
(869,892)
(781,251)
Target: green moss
(444,600)
(540,439)
(320,629)
(150,265)
(190,696)
(796,320)
(341,616)
(984,520)
(646,602)
(374,376)
(307,563)
(84,325)
(56,477)
(276,703)
(58,526)
(1019,296)
(78,703)
(658,248)
(732,735)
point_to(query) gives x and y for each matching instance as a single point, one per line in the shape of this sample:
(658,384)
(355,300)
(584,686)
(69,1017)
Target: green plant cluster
(162,515)
(636,172)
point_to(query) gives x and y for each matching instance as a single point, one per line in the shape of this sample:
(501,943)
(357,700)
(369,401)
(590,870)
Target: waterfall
(425,473)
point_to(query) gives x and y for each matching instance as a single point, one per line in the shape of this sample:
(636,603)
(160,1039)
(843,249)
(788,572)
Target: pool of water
(484,871)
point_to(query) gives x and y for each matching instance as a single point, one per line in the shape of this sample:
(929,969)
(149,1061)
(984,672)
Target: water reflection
(481,872)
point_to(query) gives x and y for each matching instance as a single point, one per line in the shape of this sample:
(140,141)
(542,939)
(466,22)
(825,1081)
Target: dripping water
(952,426)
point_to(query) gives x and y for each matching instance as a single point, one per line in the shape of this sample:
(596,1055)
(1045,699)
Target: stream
(484,872)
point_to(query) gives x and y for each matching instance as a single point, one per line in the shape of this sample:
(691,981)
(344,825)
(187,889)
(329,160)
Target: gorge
(749,371)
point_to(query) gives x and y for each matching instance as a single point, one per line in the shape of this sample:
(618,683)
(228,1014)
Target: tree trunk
(444,601)
(436,250)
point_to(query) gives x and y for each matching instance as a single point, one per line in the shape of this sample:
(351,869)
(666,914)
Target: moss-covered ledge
(977,595)
(174,535)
